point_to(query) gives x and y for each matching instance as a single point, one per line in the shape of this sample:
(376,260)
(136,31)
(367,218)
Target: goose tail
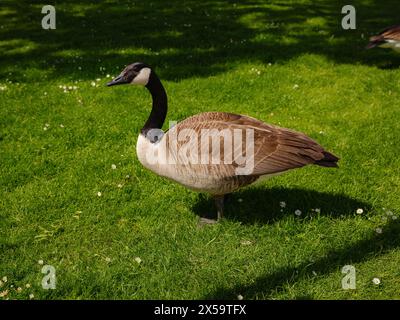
(329,160)
(375,41)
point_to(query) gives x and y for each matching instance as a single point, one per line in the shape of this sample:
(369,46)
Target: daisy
(138,260)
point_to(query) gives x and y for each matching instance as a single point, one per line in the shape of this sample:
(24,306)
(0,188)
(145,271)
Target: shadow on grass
(262,205)
(184,39)
(264,286)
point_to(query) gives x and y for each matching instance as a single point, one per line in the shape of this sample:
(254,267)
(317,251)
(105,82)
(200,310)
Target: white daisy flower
(3,293)
(240,297)
(40,262)
(359,211)
(113,166)
(31,296)
(282,204)
(297,212)
(378,230)
(318,210)
(376,281)
(99,194)
(138,260)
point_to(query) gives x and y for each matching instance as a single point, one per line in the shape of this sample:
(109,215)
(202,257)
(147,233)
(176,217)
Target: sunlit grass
(65,137)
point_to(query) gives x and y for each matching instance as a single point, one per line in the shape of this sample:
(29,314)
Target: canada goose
(388,38)
(270,150)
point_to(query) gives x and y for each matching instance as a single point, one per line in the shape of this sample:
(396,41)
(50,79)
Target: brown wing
(391,33)
(275,149)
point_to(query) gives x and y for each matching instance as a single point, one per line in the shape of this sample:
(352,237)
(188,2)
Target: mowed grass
(286,63)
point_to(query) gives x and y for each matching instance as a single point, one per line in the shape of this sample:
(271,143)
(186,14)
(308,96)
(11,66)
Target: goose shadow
(263,205)
(267,285)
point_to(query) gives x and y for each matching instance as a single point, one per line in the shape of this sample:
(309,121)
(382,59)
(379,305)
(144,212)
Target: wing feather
(275,149)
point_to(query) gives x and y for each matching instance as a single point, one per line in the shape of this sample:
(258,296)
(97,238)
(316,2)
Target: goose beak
(118,80)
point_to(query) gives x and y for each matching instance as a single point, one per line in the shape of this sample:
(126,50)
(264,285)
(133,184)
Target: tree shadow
(184,39)
(265,286)
(263,205)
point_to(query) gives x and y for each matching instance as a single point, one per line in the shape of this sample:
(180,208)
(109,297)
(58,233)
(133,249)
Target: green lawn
(285,62)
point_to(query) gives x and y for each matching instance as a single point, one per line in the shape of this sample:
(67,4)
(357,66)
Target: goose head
(137,73)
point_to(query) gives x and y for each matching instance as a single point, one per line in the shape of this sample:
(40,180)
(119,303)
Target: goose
(388,38)
(246,149)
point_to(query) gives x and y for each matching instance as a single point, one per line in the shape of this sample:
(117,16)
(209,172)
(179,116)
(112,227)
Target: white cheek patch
(143,77)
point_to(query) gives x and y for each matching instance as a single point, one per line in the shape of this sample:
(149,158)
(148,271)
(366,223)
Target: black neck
(160,106)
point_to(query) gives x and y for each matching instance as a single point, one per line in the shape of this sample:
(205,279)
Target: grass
(287,63)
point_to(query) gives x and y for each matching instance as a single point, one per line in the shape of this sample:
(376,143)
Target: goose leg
(219,203)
